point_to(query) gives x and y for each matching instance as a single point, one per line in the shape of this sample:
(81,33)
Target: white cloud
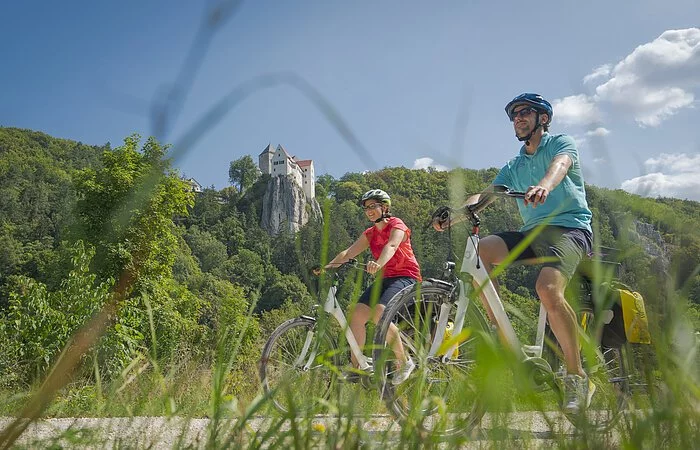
(651,84)
(425,162)
(600,72)
(598,132)
(674,162)
(656,80)
(673,175)
(576,109)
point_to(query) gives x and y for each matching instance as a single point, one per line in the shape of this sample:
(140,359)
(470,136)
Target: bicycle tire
(439,397)
(291,388)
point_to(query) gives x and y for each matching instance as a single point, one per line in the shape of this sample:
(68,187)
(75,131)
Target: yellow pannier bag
(448,340)
(635,317)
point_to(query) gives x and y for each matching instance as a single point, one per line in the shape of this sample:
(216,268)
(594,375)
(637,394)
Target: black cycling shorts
(558,247)
(387,290)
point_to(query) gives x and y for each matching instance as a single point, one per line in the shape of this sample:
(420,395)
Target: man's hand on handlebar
(440,220)
(536,195)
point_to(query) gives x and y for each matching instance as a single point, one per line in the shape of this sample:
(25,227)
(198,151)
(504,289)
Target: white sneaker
(404,372)
(578,393)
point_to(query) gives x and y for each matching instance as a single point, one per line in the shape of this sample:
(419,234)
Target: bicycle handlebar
(441,216)
(351,263)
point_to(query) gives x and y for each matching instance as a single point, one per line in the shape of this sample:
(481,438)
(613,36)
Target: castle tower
(265,159)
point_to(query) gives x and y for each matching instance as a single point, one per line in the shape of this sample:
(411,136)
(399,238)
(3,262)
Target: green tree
(39,322)
(288,289)
(125,210)
(245,269)
(243,173)
(210,252)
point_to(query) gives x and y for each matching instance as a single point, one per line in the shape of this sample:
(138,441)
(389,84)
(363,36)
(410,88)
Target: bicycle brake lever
(441,216)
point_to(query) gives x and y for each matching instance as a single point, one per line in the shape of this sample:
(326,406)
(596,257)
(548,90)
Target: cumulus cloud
(426,162)
(576,109)
(600,72)
(671,175)
(598,132)
(651,84)
(657,79)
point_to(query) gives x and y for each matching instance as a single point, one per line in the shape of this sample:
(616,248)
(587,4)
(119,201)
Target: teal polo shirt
(566,205)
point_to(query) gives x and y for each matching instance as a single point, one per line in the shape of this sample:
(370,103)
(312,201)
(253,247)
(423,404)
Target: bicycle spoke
(283,366)
(437,397)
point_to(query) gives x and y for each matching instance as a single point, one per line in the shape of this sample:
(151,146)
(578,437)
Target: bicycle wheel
(608,369)
(441,397)
(294,366)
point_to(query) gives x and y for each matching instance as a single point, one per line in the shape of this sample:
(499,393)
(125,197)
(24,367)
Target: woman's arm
(395,238)
(360,245)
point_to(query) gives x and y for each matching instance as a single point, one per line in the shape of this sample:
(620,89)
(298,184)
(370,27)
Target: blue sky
(417,83)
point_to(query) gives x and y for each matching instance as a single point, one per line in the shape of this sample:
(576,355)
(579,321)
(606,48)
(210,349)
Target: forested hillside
(80,224)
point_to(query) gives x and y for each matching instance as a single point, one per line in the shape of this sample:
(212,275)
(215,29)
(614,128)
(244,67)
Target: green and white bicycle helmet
(375,194)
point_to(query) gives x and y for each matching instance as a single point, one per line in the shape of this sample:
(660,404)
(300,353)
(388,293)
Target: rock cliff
(286,205)
(653,244)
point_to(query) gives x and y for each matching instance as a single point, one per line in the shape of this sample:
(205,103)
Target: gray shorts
(560,247)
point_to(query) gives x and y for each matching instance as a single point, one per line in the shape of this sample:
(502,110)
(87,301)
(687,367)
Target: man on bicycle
(548,170)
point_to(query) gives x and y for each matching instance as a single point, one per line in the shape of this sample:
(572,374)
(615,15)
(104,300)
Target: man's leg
(550,287)
(492,250)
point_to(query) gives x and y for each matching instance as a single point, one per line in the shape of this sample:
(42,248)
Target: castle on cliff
(277,162)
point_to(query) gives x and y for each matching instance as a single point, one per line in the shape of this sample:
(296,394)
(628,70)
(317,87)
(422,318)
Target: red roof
(304,162)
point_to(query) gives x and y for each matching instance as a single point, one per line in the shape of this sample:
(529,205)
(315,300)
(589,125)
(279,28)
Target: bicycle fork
(443,316)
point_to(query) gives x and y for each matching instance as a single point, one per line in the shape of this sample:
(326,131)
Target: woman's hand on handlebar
(372,267)
(318,270)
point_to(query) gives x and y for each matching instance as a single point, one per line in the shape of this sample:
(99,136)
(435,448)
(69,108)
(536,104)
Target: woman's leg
(392,337)
(358,320)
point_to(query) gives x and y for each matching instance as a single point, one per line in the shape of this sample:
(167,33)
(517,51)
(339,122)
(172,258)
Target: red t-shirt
(403,263)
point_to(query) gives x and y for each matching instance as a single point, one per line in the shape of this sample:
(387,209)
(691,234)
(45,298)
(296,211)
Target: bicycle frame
(472,265)
(332,307)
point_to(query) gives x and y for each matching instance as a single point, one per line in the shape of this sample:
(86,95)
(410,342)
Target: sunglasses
(521,113)
(372,206)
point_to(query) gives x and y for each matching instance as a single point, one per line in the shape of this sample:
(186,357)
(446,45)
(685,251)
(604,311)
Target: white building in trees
(277,162)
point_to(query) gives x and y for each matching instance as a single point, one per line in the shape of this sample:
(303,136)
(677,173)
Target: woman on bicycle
(389,241)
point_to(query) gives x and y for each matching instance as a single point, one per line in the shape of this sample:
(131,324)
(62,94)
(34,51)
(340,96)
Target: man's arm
(556,172)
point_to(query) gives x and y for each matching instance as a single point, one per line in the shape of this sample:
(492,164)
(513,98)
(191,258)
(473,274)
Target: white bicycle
(301,361)
(446,334)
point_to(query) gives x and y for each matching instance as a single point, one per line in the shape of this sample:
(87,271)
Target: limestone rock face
(285,205)
(653,244)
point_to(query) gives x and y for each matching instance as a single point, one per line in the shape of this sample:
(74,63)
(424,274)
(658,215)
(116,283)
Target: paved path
(530,428)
